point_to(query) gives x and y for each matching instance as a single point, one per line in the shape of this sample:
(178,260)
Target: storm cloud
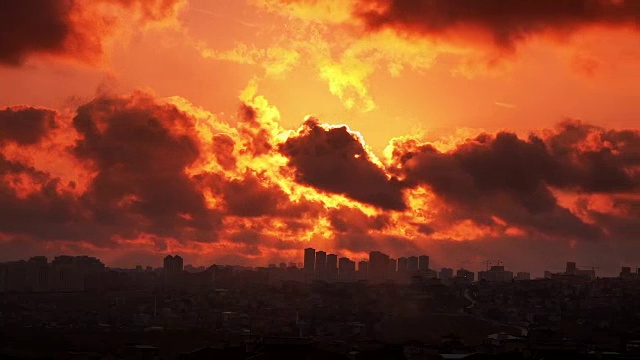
(334,160)
(504,22)
(70,28)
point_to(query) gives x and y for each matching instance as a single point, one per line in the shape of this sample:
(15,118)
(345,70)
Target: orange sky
(130,129)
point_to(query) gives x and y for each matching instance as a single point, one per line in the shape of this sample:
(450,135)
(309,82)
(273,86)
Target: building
(363,270)
(429,274)
(378,266)
(321,264)
(69,272)
(423,263)
(625,272)
(465,276)
(347,269)
(445,274)
(392,269)
(173,268)
(37,274)
(572,271)
(412,264)
(173,264)
(332,267)
(309,261)
(495,274)
(403,265)
(523,275)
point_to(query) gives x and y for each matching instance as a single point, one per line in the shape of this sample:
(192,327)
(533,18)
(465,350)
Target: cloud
(148,175)
(140,150)
(276,61)
(504,23)
(254,195)
(333,159)
(34,204)
(25,125)
(494,178)
(71,28)
(593,159)
(351,220)
(137,150)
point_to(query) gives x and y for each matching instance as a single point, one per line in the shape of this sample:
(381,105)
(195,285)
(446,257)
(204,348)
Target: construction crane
(491,262)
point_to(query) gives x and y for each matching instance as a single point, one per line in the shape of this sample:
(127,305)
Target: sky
(241,132)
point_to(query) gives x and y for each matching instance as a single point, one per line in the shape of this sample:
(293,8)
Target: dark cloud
(45,210)
(62,27)
(593,159)
(141,184)
(506,22)
(254,238)
(497,176)
(255,195)
(425,229)
(252,196)
(139,158)
(364,243)
(351,220)
(25,125)
(28,26)
(333,160)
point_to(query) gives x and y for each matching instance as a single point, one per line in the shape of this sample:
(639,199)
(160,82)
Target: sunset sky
(243,131)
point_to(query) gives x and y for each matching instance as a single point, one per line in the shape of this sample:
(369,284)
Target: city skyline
(358,269)
(242,132)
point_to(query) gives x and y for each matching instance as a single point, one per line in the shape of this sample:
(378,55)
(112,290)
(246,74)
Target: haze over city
(243,132)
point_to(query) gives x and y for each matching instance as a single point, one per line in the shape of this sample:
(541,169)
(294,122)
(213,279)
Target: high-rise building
(309,260)
(38,273)
(332,267)
(445,274)
(332,261)
(378,266)
(173,264)
(68,273)
(173,267)
(347,269)
(321,264)
(571,268)
(423,262)
(393,269)
(403,265)
(363,270)
(412,263)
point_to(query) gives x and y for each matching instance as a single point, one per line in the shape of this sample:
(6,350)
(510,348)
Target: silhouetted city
(75,307)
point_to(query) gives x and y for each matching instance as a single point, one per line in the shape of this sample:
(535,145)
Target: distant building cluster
(80,273)
(572,271)
(626,273)
(64,273)
(380,268)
